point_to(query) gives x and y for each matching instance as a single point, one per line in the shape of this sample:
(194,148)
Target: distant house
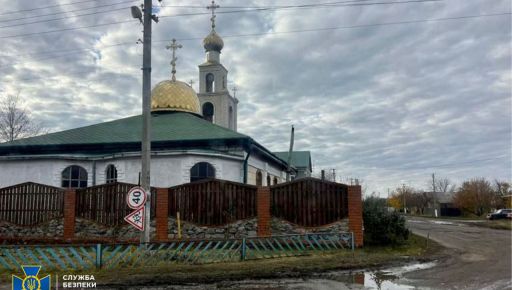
(443,203)
(301,160)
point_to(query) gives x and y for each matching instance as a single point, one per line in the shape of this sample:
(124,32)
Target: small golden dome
(171,95)
(213,42)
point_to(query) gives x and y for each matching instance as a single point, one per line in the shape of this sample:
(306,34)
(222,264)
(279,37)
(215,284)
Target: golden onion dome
(213,42)
(172,95)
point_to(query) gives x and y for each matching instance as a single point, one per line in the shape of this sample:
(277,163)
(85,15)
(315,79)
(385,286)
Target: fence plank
(212,201)
(28,203)
(310,202)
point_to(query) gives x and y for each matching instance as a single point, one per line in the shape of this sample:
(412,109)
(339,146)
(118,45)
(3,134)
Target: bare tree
(15,120)
(444,185)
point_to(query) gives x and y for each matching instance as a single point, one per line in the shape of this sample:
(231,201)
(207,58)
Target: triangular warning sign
(136,219)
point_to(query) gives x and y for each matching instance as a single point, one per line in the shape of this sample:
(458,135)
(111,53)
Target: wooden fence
(106,204)
(309,202)
(213,202)
(31,203)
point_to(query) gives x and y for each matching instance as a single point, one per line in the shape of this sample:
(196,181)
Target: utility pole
(434,195)
(145,181)
(289,169)
(334,174)
(433,182)
(403,192)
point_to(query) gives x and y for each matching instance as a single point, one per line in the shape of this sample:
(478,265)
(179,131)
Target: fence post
(263,211)
(69,214)
(162,214)
(243,250)
(99,254)
(355,214)
(352,240)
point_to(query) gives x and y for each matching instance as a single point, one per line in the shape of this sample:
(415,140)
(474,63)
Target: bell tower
(217,105)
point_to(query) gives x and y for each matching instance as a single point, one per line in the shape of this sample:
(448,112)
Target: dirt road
(475,258)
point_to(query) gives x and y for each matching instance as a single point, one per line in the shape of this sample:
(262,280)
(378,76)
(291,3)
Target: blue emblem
(31,281)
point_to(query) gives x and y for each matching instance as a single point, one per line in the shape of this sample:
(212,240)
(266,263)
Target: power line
(61,18)
(46,7)
(305,6)
(64,12)
(289,32)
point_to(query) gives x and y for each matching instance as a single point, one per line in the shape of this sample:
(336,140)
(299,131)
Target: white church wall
(166,171)
(256,163)
(42,171)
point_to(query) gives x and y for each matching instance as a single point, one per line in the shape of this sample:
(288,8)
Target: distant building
(301,160)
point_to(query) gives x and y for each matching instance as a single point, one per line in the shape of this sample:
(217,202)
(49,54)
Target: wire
(305,6)
(45,7)
(64,12)
(66,17)
(299,31)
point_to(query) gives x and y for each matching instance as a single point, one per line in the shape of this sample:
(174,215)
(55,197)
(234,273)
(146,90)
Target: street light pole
(146,116)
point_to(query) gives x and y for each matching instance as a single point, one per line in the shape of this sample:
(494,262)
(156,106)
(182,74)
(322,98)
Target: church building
(194,136)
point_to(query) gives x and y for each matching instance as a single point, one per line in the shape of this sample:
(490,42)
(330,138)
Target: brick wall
(69,214)
(263,211)
(162,213)
(355,214)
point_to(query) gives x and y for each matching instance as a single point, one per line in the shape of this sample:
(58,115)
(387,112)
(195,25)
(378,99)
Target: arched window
(231,118)
(111,174)
(259,178)
(268,180)
(208,111)
(201,170)
(275,180)
(210,81)
(74,177)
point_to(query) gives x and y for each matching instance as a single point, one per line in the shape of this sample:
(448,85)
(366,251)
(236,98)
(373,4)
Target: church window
(111,174)
(201,170)
(210,81)
(231,117)
(268,180)
(259,178)
(208,111)
(223,82)
(275,180)
(74,177)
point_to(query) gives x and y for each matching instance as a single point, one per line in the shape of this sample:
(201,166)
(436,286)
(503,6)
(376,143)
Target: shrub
(380,226)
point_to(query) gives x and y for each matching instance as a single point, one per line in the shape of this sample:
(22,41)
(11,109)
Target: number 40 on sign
(136,198)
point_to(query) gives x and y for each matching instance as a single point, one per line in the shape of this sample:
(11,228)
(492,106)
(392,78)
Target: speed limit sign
(136,197)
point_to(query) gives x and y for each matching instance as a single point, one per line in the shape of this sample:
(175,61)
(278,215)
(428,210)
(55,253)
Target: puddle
(443,223)
(385,279)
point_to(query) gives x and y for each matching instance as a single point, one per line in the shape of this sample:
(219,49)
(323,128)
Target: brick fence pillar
(162,214)
(355,214)
(69,214)
(263,211)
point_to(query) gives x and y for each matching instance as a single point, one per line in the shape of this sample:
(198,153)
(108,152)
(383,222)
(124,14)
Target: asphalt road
(475,258)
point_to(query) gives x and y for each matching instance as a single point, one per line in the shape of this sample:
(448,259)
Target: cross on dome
(174,46)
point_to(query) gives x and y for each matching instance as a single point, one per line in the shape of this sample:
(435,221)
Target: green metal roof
(164,127)
(170,130)
(299,158)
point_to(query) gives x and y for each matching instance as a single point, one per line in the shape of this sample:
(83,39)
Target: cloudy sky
(373,89)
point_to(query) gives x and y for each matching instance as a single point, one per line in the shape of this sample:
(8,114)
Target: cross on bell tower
(212,7)
(174,46)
